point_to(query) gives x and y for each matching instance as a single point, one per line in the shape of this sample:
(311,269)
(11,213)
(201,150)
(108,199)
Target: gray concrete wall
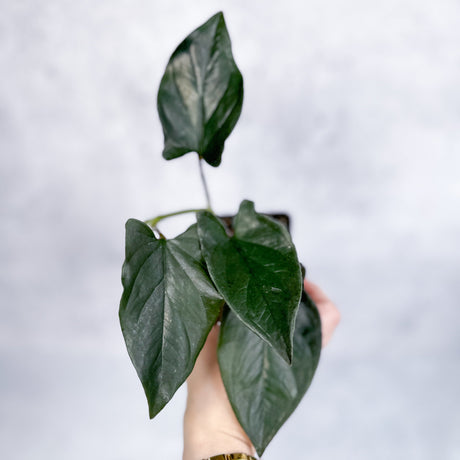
(350,123)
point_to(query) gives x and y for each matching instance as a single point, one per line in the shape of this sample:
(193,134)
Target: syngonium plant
(247,275)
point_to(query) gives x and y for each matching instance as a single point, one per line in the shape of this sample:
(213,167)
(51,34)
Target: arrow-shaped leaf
(167,308)
(257,272)
(262,388)
(201,94)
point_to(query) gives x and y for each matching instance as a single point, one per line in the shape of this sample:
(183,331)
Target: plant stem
(153,222)
(205,185)
(162,237)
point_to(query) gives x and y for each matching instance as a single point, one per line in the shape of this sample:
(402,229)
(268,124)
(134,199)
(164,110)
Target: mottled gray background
(351,123)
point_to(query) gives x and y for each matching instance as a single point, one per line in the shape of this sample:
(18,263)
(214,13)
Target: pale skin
(210,426)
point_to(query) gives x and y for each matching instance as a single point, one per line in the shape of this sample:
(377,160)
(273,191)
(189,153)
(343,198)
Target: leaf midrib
(240,251)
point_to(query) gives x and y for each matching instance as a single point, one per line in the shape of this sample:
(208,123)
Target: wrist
(207,444)
(235,456)
(211,427)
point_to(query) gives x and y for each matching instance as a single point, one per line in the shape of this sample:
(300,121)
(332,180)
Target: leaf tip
(203,214)
(130,222)
(283,346)
(155,400)
(219,15)
(260,450)
(247,207)
(287,354)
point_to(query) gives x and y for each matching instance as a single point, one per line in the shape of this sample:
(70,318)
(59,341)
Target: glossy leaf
(201,94)
(257,272)
(167,308)
(263,389)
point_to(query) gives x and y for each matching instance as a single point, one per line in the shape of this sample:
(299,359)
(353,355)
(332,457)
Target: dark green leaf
(167,308)
(263,389)
(257,272)
(201,94)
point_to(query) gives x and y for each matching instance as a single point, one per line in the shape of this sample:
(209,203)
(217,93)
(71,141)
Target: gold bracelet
(231,457)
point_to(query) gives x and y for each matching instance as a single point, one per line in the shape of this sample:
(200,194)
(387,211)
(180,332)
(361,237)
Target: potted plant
(243,271)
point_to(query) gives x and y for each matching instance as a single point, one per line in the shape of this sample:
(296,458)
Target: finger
(329,313)
(315,292)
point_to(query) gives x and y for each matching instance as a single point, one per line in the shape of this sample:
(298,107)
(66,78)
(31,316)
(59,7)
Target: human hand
(210,425)
(329,313)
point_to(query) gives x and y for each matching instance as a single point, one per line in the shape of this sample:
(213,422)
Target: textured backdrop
(351,123)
